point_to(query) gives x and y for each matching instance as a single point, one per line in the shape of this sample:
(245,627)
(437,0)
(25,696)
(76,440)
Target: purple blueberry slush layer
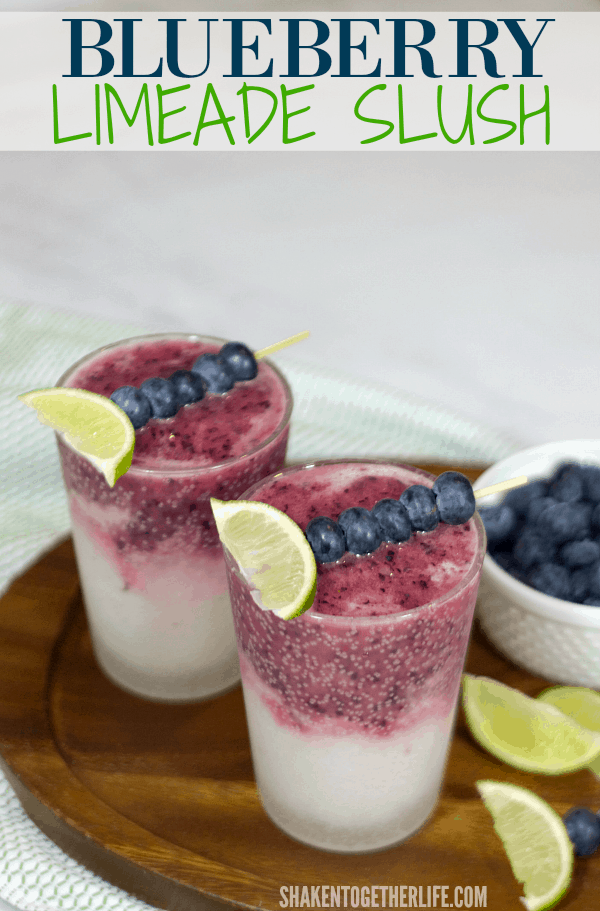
(209,449)
(332,665)
(217,428)
(397,577)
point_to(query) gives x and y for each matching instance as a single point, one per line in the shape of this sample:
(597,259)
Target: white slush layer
(349,793)
(173,640)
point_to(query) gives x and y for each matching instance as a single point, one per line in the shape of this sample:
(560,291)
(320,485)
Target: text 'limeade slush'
(351,706)
(149,557)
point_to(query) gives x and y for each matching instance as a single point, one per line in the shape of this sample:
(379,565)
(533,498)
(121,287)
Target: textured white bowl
(549,637)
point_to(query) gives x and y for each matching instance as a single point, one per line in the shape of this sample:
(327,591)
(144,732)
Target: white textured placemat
(334,415)
(36,875)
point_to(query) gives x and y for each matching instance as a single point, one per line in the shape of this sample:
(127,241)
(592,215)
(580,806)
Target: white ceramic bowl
(549,637)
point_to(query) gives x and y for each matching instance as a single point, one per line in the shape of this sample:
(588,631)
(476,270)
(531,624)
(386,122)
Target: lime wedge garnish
(535,840)
(272,553)
(92,424)
(524,732)
(580,704)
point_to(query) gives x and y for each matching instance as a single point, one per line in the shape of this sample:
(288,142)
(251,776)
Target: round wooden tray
(161,801)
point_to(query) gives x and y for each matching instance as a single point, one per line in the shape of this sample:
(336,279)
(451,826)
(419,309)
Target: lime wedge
(535,840)
(92,424)
(272,553)
(524,732)
(580,704)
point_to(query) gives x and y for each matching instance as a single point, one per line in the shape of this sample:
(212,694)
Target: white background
(471,280)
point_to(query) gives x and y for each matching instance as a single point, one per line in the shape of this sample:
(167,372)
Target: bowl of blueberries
(539,597)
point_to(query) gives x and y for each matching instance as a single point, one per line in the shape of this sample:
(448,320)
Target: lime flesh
(535,840)
(92,424)
(524,732)
(579,703)
(272,554)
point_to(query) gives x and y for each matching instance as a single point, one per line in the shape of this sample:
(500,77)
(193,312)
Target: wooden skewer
(501,485)
(264,352)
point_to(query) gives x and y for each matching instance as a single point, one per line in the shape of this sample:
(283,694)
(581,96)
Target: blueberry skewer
(214,373)
(419,509)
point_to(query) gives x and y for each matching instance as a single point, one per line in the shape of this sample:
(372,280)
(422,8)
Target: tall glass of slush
(149,558)
(351,706)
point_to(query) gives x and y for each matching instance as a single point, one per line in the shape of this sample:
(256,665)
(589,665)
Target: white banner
(300,82)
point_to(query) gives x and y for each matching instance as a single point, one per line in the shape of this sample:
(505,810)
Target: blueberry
(499,521)
(521,498)
(162,397)
(507,563)
(583,827)
(393,520)
(566,485)
(517,573)
(362,530)
(594,580)
(592,601)
(421,507)
(565,521)
(580,584)
(454,498)
(583,520)
(530,548)
(553,537)
(134,403)
(326,538)
(580,553)
(217,374)
(552,579)
(591,482)
(189,387)
(503,559)
(536,508)
(240,360)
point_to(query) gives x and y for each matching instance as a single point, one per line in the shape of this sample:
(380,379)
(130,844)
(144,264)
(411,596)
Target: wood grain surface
(161,800)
